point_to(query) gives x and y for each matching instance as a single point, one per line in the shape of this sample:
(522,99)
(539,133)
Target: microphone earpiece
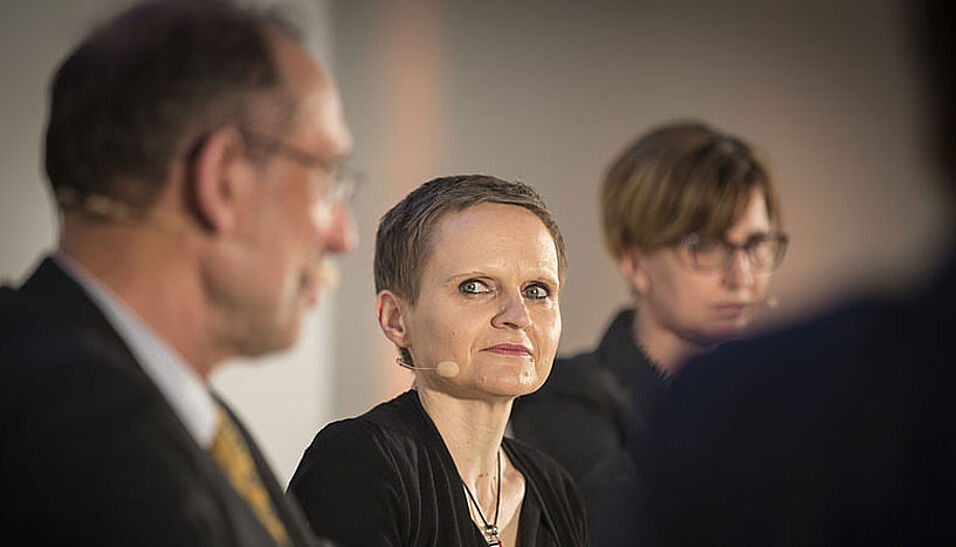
(445,369)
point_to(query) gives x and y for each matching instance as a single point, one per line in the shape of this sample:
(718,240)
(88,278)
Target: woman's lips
(514,350)
(730,310)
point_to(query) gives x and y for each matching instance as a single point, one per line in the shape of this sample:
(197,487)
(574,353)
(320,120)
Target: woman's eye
(537,292)
(473,286)
(705,246)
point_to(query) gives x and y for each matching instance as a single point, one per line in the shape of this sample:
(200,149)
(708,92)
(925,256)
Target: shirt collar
(179,384)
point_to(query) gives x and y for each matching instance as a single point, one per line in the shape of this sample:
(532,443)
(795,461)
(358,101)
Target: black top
(387,479)
(839,431)
(591,416)
(90,451)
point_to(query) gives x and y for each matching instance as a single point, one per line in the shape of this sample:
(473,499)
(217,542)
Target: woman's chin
(511,385)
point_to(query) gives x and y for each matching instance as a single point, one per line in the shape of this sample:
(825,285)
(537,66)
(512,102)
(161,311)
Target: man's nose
(342,236)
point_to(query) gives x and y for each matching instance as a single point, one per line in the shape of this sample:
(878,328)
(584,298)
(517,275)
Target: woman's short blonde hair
(678,179)
(403,241)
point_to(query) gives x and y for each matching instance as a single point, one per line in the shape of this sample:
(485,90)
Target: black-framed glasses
(343,180)
(765,251)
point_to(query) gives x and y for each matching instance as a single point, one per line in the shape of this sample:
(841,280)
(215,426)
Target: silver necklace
(490,531)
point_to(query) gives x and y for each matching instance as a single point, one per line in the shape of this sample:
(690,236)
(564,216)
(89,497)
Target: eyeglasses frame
(344,180)
(782,239)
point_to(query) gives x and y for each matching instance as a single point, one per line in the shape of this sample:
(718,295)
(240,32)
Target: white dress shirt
(182,387)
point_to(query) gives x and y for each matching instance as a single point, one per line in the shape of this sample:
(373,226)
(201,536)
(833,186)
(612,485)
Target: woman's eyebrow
(460,275)
(753,235)
(547,278)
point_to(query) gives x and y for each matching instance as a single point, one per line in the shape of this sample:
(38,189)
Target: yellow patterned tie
(230,450)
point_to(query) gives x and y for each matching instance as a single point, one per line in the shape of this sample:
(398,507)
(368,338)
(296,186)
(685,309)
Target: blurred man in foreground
(193,149)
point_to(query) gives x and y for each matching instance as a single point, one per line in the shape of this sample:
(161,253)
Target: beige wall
(548,92)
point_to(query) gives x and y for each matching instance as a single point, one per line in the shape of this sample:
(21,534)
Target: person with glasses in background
(193,151)
(692,218)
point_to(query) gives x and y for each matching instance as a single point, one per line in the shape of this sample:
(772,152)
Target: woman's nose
(739,271)
(514,314)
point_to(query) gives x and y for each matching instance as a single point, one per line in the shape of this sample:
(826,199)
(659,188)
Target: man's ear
(390,310)
(632,264)
(219,177)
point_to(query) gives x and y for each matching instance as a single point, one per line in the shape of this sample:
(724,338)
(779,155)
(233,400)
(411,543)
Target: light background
(549,92)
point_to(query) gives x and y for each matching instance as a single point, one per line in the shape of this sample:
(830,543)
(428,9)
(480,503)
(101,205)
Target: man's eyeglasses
(343,180)
(765,251)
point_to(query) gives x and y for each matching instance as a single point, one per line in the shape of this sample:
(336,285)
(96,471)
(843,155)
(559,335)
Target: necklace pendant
(492,531)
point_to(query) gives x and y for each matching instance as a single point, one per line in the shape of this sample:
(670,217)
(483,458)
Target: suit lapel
(61,303)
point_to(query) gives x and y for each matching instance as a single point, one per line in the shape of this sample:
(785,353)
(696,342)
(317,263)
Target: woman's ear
(633,269)
(390,310)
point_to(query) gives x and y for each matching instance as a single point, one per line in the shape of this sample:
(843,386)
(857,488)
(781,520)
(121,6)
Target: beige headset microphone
(445,369)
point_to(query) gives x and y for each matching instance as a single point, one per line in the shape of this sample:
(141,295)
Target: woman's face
(704,307)
(488,302)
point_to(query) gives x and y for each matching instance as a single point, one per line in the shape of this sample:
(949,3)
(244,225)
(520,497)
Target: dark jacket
(839,431)
(591,416)
(90,452)
(387,479)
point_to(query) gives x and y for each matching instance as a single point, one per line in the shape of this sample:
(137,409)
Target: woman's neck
(472,430)
(666,350)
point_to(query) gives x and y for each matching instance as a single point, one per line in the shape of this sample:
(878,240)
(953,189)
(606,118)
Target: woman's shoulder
(355,480)
(386,431)
(356,433)
(372,454)
(341,450)
(401,416)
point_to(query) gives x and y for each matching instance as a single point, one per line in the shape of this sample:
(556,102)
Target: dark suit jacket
(90,451)
(840,431)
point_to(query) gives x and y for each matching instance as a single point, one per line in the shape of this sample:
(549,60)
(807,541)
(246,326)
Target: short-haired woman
(468,272)
(692,218)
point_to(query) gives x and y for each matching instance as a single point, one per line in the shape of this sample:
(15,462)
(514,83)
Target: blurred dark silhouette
(838,431)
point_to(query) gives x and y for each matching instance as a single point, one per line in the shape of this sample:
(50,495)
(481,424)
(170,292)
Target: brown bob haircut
(402,244)
(678,179)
